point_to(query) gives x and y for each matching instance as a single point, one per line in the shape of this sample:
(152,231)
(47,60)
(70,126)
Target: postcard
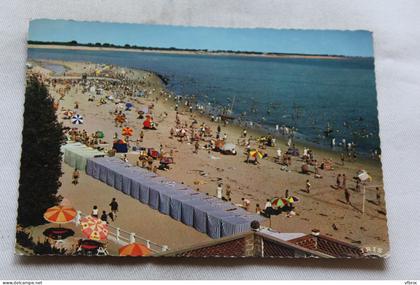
(152,140)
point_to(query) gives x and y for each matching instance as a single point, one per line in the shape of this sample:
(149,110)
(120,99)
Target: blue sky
(350,43)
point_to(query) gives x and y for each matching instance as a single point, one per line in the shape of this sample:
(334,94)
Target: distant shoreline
(186,52)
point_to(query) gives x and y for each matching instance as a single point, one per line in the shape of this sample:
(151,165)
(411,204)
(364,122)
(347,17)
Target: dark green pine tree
(40,168)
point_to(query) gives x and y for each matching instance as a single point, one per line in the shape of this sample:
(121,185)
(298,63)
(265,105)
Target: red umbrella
(60,214)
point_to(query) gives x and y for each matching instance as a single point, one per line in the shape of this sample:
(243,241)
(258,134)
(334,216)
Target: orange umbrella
(127,131)
(60,214)
(134,249)
(94,228)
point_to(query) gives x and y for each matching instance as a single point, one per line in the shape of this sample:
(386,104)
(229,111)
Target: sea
(321,99)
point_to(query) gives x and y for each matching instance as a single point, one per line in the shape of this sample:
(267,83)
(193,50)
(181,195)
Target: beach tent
(209,215)
(77,154)
(229,148)
(120,146)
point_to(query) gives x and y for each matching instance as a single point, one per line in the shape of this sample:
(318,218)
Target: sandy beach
(324,208)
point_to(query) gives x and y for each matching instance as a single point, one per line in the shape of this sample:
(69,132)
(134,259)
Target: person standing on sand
(378,196)
(347,196)
(286,193)
(357,188)
(244,133)
(219,191)
(338,181)
(76,176)
(245,203)
(196,147)
(257,209)
(248,154)
(344,184)
(267,204)
(114,207)
(95,212)
(308,186)
(141,136)
(228,192)
(278,155)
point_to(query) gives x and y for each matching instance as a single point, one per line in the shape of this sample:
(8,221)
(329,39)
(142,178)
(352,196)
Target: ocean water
(309,94)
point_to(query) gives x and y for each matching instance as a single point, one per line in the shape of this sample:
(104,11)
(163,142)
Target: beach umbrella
(100,134)
(255,153)
(58,233)
(127,131)
(134,249)
(278,202)
(94,228)
(293,199)
(77,119)
(120,118)
(89,246)
(60,214)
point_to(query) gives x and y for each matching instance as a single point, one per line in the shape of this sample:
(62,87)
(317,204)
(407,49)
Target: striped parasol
(127,131)
(60,214)
(255,153)
(77,119)
(134,249)
(278,202)
(94,228)
(293,199)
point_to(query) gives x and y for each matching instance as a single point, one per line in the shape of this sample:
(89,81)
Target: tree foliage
(40,168)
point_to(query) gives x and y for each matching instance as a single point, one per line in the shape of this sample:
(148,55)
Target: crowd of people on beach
(201,135)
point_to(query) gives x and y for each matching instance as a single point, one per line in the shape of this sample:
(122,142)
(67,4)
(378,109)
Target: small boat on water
(227,113)
(328,130)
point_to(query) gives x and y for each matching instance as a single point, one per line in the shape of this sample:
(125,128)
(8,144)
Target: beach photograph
(148,140)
